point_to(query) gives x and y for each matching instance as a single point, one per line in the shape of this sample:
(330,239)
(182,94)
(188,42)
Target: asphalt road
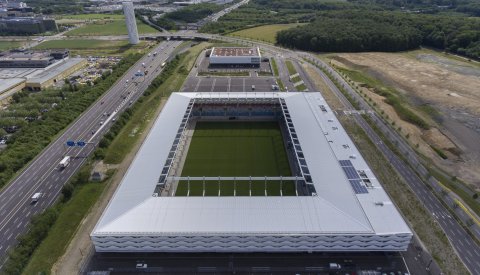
(248,263)
(43,175)
(463,243)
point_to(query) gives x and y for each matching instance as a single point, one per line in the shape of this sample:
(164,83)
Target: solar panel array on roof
(358,187)
(353,177)
(345,162)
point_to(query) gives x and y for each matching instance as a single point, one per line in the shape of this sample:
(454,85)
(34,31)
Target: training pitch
(236,149)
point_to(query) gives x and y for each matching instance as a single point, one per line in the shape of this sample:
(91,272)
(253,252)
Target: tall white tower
(131,22)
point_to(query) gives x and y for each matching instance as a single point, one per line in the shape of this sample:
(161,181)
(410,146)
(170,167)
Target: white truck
(335,266)
(36,197)
(64,162)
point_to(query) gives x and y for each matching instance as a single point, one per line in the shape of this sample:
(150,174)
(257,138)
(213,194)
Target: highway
(465,246)
(43,175)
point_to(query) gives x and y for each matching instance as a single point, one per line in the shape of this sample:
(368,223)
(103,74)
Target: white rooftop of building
(53,70)
(336,209)
(234,51)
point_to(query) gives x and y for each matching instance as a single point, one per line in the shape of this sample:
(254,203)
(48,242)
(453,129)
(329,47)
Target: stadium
(249,172)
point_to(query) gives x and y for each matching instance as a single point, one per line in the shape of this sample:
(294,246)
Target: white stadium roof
(336,209)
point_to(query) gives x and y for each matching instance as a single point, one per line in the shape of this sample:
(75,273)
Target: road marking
(213,85)
(198,84)
(18,226)
(9,236)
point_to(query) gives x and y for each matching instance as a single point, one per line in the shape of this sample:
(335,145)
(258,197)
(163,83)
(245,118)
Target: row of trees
(42,223)
(361,30)
(26,143)
(470,7)
(193,13)
(359,25)
(58,6)
(350,35)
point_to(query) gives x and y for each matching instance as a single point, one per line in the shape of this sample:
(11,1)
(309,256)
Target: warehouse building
(27,25)
(26,60)
(13,80)
(231,56)
(56,72)
(342,207)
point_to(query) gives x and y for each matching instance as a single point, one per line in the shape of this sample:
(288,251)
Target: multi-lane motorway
(43,174)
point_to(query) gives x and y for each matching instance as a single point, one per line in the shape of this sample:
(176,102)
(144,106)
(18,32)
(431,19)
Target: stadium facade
(339,204)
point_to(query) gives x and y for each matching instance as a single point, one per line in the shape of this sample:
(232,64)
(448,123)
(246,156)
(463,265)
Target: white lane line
(198,84)
(9,236)
(213,85)
(20,224)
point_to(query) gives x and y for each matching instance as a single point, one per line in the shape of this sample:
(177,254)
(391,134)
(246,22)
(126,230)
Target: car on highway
(101,122)
(35,197)
(141,265)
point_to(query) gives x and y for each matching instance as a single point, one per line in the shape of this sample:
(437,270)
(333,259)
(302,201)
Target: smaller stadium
(249,172)
(234,56)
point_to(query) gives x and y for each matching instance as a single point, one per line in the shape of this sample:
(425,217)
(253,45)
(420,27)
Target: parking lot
(228,84)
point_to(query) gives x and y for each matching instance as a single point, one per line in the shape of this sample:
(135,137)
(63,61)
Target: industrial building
(57,72)
(27,25)
(225,56)
(26,60)
(342,206)
(13,80)
(129,13)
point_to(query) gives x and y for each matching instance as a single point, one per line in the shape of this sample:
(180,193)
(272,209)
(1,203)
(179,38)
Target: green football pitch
(238,149)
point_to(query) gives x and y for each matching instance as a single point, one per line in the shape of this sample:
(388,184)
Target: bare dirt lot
(448,84)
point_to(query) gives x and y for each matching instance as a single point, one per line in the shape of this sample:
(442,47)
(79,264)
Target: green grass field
(93,47)
(290,67)
(112,27)
(7,45)
(93,16)
(81,44)
(65,226)
(265,33)
(236,149)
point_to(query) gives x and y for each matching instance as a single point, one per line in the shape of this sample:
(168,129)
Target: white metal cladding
(335,212)
(251,243)
(234,60)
